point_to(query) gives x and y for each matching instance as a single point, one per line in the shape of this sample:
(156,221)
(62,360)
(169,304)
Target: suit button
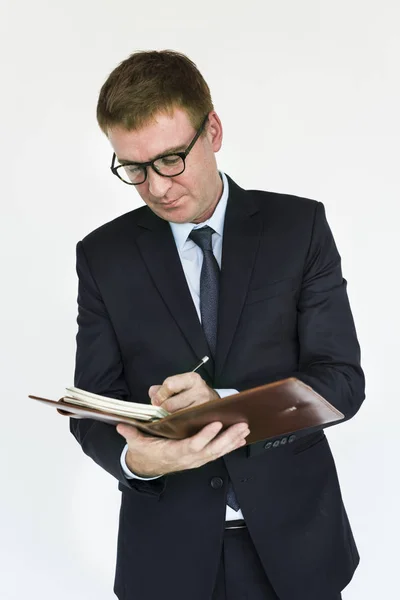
(268,445)
(291,439)
(216,483)
(276,444)
(283,441)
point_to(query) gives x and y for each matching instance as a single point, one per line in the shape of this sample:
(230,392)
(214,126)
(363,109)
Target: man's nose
(158,185)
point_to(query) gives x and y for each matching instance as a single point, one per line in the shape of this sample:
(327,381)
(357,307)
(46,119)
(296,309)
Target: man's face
(191,196)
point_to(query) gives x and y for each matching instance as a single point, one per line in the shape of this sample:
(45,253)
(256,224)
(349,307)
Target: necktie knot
(202,237)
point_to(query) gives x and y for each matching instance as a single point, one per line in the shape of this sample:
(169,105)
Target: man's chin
(179,214)
(179,218)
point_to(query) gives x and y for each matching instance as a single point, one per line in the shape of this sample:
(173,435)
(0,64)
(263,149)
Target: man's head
(154,103)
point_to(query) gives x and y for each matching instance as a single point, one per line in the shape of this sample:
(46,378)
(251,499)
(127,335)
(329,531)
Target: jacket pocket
(308,442)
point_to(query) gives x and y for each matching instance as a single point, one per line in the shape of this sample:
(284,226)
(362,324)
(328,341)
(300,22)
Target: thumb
(153,390)
(128,432)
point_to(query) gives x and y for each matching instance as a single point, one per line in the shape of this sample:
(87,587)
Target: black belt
(235,524)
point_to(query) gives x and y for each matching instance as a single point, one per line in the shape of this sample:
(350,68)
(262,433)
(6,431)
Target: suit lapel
(241,239)
(158,249)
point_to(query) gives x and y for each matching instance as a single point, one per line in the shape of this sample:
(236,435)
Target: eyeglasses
(168,165)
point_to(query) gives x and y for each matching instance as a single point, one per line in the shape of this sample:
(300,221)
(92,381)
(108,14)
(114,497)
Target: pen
(200,364)
(203,360)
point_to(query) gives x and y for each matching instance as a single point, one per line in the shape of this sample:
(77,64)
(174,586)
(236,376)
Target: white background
(308,95)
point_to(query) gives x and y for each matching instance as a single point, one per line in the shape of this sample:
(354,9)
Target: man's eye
(170,160)
(132,170)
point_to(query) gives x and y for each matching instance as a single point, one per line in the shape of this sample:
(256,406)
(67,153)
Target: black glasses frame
(151,164)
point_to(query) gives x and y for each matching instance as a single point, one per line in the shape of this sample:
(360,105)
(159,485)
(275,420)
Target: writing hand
(181,391)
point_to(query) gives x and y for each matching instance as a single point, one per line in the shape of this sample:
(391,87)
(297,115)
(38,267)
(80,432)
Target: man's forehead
(164,134)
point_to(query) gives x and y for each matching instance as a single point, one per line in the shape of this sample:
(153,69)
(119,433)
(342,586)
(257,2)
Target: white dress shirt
(191,257)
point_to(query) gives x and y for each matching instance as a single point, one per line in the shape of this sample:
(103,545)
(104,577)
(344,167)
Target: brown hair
(150,82)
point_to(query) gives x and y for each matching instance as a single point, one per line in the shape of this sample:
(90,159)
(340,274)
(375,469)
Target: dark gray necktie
(209,285)
(209,291)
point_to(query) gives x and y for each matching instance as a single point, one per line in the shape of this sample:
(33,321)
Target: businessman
(253,280)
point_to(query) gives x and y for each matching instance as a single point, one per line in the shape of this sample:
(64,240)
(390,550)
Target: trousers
(241,575)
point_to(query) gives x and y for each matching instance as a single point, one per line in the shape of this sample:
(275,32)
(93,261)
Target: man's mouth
(170,203)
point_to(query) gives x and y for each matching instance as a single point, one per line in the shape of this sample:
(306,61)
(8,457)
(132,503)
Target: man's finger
(173,385)
(153,394)
(128,431)
(177,402)
(227,441)
(153,389)
(203,437)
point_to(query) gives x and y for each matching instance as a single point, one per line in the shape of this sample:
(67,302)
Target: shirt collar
(181,231)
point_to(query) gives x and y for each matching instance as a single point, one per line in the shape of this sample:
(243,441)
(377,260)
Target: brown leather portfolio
(270,410)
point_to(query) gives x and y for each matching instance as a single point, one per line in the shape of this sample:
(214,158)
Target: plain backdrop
(308,93)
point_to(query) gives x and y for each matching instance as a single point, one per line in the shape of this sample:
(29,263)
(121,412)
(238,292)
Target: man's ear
(214,131)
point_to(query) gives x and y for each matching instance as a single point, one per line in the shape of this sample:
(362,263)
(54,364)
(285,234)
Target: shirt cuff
(225,392)
(128,473)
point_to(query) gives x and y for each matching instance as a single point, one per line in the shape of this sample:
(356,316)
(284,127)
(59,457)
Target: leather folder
(274,409)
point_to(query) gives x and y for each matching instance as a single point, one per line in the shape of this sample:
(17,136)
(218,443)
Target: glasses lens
(170,165)
(132,174)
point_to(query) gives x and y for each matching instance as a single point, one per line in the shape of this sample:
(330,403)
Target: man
(250,278)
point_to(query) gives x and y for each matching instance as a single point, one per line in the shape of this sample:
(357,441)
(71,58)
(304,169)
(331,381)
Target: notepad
(134,410)
(274,409)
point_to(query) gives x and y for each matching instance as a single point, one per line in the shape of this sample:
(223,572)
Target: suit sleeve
(329,353)
(99,369)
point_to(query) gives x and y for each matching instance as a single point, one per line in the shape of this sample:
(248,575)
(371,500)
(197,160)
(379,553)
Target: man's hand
(149,456)
(181,391)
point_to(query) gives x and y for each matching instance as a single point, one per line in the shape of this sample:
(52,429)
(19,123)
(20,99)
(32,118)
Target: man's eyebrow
(167,151)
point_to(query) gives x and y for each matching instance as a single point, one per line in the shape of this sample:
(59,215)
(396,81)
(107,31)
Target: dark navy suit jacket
(283,311)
